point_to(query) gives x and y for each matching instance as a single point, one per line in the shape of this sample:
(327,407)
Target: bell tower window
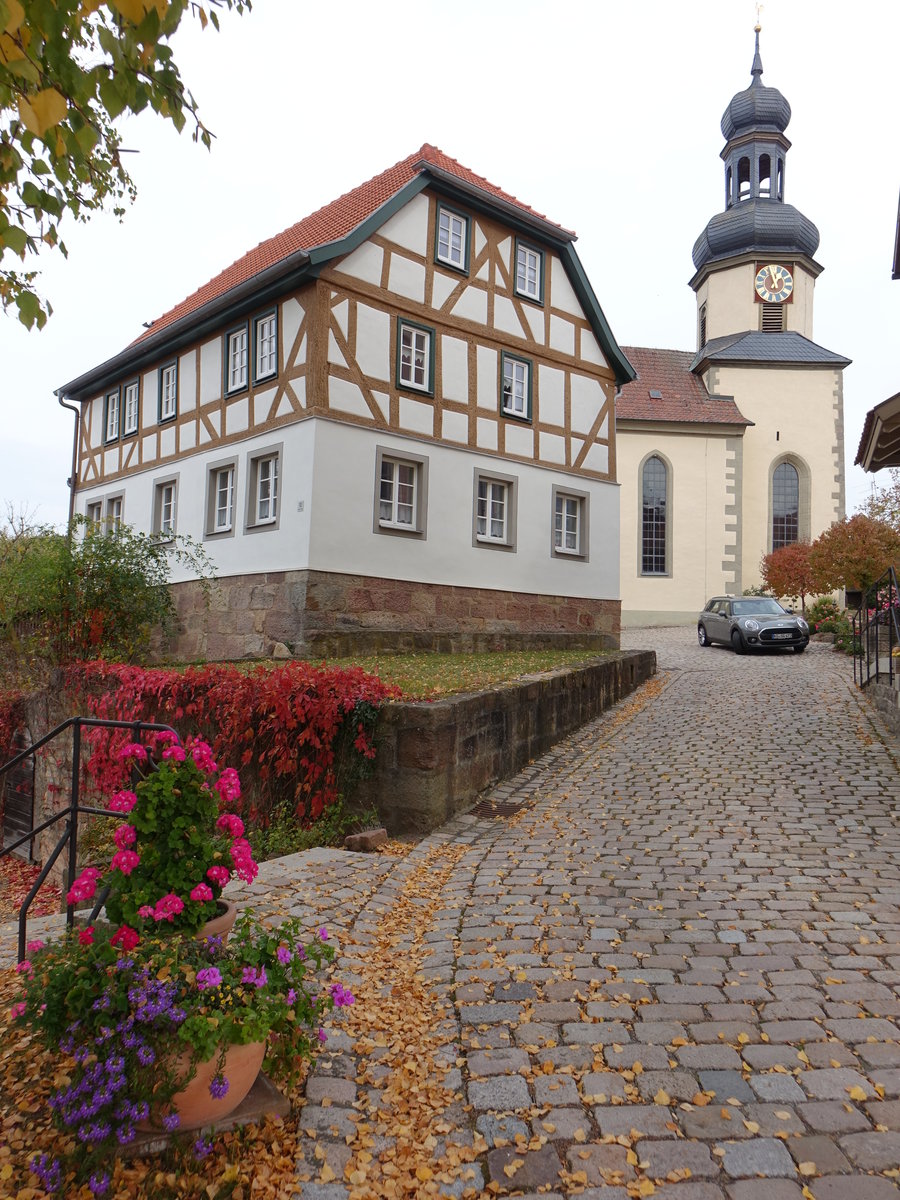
(729,180)
(779,193)
(772,318)
(702,328)
(765,175)
(744,179)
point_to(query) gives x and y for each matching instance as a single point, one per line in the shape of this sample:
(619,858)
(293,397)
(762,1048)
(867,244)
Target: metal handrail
(71,814)
(866,627)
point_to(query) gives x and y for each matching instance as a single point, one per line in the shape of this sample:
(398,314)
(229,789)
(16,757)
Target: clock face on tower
(774,284)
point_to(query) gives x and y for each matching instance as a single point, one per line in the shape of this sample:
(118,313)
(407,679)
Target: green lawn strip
(430,676)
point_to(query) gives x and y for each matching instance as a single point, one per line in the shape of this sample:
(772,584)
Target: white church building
(730,451)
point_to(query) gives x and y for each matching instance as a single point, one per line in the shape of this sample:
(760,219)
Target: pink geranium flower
(202,892)
(231,824)
(229,786)
(168,907)
(86,936)
(124,861)
(125,836)
(132,750)
(202,756)
(219,875)
(122,802)
(84,886)
(174,754)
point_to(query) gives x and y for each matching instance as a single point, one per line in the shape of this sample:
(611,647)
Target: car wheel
(737,642)
(702,636)
(799,649)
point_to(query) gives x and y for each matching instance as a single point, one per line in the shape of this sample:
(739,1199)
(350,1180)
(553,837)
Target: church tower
(754,283)
(754,261)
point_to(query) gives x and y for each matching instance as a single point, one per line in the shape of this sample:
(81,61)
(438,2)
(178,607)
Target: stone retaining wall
(434,758)
(887,700)
(326,614)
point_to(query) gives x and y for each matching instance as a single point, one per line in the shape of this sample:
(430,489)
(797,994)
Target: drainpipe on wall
(72,481)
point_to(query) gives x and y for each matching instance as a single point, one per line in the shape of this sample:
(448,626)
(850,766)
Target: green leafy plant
(68,70)
(88,593)
(138,1023)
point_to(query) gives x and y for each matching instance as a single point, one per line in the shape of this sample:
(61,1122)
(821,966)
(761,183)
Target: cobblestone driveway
(677,971)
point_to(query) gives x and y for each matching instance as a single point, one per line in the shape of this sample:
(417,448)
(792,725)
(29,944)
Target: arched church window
(702,329)
(743,179)
(654,488)
(729,179)
(785,505)
(765,175)
(779,194)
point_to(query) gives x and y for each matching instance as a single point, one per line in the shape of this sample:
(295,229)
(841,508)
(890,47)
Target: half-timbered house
(393,423)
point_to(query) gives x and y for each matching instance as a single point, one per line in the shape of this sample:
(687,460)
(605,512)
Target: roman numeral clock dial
(774,284)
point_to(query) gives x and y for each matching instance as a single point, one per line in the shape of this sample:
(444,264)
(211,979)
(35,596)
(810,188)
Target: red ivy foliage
(288,730)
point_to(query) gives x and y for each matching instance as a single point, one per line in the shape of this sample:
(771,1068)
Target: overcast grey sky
(604,116)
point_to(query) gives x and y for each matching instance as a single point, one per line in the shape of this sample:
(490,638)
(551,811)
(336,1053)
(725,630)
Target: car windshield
(756,606)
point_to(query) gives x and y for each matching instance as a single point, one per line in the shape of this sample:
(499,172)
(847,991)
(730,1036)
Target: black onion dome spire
(756,217)
(756,108)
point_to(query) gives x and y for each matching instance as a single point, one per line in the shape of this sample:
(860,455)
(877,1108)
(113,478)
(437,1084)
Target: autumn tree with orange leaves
(853,553)
(787,572)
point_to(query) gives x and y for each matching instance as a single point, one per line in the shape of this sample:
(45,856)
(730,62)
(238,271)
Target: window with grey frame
(785,506)
(654,502)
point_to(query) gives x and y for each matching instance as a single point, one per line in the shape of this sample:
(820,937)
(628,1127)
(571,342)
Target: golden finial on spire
(758,26)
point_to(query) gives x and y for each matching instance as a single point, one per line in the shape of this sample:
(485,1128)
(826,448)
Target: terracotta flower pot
(221,924)
(194,1104)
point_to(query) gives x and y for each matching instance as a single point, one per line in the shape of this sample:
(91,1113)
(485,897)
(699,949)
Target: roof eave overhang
(707,428)
(230,306)
(736,260)
(699,365)
(879,445)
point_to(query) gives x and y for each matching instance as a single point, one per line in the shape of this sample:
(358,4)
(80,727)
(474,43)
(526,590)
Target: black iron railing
(876,632)
(71,814)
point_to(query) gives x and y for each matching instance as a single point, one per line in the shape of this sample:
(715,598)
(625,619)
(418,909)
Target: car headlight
(751,624)
(803,625)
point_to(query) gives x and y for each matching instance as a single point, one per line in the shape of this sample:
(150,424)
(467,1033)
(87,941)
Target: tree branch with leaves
(68,70)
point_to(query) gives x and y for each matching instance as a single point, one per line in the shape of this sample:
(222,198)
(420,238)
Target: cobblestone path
(676,971)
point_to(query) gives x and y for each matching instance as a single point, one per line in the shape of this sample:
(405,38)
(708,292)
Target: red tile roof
(684,397)
(330,224)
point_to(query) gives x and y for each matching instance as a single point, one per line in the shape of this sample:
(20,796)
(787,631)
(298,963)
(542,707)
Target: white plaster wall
(732,307)
(409,227)
(373,341)
(407,278)
(454,369)
(343,538)
(187,382)
(793,413)
(562,294)
(365,263)
(283,548)
(699,523)
(211,371)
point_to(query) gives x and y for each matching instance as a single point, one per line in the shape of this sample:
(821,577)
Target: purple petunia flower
(218,1087)
(284,955)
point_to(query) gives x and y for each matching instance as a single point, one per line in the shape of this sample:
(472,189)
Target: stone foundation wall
(887,700)
(434,759)
(323,614)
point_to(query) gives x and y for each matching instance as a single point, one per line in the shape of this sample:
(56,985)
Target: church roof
(776,349)
(681,396)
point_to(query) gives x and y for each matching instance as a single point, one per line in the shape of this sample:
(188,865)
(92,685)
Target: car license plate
(776,636)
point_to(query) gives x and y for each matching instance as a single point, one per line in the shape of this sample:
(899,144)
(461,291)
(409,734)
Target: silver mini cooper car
(751,623)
